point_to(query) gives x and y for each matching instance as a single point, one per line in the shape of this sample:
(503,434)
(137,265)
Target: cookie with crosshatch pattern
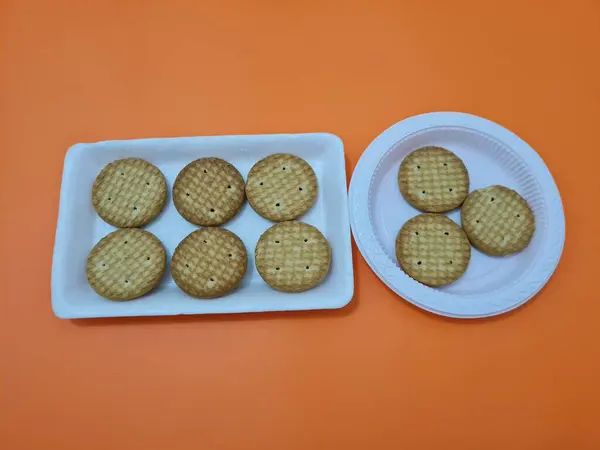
(126,264)
(208,192)
(433,179)
(433,250)
(209,263)
(497,220)
(281,187)
(129,193)
(292,256)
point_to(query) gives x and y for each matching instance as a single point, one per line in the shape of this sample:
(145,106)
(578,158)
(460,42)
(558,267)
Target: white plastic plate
(493,155)
(80,228)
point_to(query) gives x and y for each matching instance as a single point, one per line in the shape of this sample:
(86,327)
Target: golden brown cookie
(292,256)
(433,250)
(126,264)
(433,179)
(209,263)
(129,193)
(281,187)
(208,192)
(497,220)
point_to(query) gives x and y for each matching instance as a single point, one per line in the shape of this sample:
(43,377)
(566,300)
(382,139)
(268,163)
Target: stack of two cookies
(211,261)
(290,256)
(430,247)
(130,262)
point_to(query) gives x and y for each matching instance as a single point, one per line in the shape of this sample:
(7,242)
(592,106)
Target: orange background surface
(379,374)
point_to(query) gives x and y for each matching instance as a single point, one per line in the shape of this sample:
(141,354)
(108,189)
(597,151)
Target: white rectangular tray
(79,228)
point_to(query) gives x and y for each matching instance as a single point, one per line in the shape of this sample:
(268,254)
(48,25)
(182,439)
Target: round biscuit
(281,187)
(433,179)
(497,220)
(209,263)
(129,193)
(433,250)
(208,192)
(292,256)
(126,264)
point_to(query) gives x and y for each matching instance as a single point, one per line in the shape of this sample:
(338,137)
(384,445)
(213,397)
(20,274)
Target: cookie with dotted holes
(209,263)
(292,256)
(126,264)
(497,220)
(433,179)
(433,250)
(129,193)
(208,192)
(281,187)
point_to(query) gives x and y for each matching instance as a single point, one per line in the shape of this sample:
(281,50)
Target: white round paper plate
(493,155)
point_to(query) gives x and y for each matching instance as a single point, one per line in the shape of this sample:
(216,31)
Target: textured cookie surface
(126,264)
(497,220)
(281,187)
(292,256)
(129,193)
(433,179)
(209,263)
(433,250)
(208,192)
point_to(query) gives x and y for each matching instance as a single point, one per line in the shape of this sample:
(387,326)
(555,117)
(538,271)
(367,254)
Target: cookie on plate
(129,193)
(433,250)
(292,256)
(126,264)
(208,192)
(209,263)
(433,179)
(497,220)
(281,187)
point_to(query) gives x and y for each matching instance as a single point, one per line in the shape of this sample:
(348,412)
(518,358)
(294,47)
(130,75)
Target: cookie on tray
(208,192)
(292,256)
(433,179)
(497,220)
(281,187)
(126,264)
(433,250)
(129,193)
(209,263)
